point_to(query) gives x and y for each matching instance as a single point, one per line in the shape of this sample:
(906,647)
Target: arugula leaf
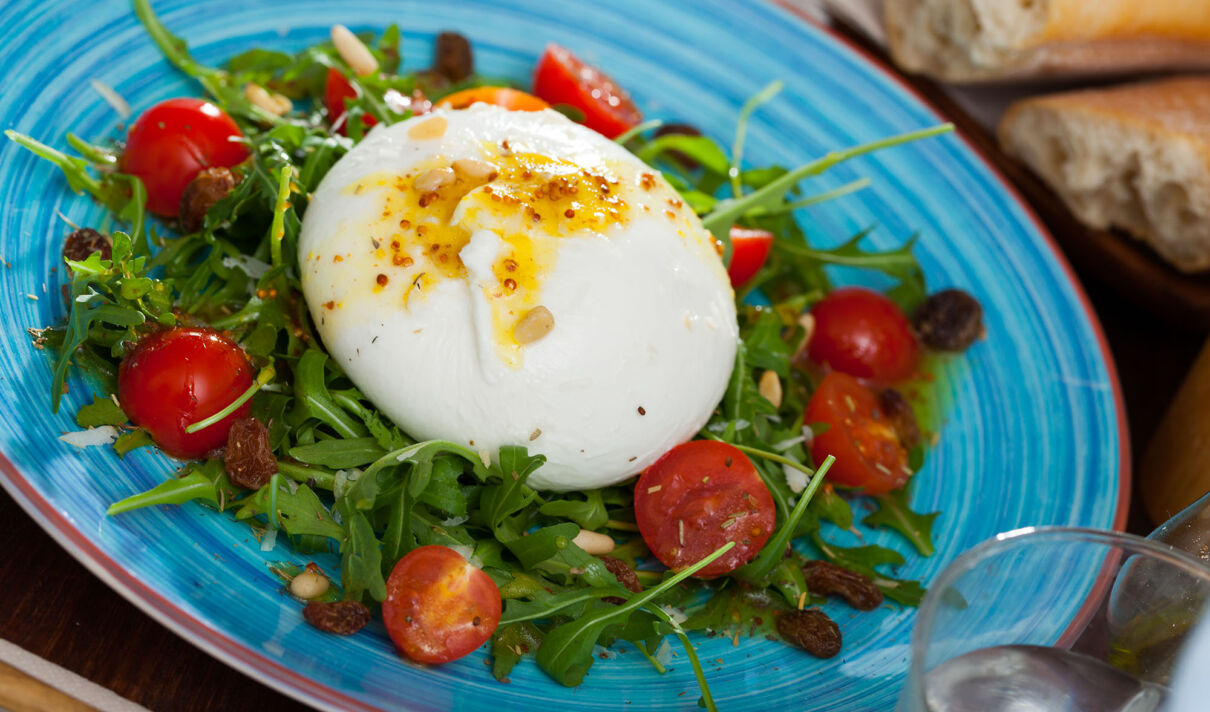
(764,346)
(297,508)
(589,513)
(102,411)
(341,453)
(203,482)
(895,512)
(361,557)
(509,644)
(566,651)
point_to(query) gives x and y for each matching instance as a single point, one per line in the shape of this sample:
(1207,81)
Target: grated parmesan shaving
(269,541)
(103,435)
(250,266)
(796,479)
(111,97)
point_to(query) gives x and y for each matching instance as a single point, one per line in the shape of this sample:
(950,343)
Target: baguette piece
(980,40)
(1134,157)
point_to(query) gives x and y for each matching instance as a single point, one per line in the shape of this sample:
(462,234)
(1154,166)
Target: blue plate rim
(269,672)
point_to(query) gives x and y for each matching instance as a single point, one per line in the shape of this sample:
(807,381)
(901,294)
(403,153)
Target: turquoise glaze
(1034,434)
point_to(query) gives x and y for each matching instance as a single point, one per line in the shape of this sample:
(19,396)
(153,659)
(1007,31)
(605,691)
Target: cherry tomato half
(336,90)
(863,439)
(862,333)
(172,142)
(177,377)
(749,250)
(696,498)
(561,78)
(504,97)
(439,607)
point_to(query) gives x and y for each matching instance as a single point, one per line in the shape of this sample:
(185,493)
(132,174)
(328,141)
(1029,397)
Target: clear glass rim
(986,549)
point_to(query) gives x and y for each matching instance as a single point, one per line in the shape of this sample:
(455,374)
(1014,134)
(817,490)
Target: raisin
(680,130)
(210,186)
(828,579)
(452,57)
(903,419)
(85,241)
(810,630)
(950,320)
(339,617)
(625,575)
(249,459)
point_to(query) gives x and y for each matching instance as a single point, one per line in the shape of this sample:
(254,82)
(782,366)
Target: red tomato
(749,250)
(336,90)
(560,78)
(177,377)
(864,441)
(696,498)
(172,142)
(864,334)
(504,97)
(439,607)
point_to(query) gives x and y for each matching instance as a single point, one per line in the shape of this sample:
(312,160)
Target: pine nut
(432,127)
(430,181)
(770,388)
(807,321)
(353,51)
(536,324)
(594,543)
(271,102)
(473,169)
(309,584)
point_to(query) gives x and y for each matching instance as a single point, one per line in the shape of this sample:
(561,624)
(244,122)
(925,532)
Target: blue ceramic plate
(1034,432)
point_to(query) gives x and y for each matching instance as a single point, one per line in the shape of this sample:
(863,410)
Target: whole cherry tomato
(749,250)
(336,90)
(861,436)
(175,378)
(862,333)
(439,607)
(172,142)
(504,97)
(696,498)
(561,78)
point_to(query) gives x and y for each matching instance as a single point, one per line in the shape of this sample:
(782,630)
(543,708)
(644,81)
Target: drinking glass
(1051,619)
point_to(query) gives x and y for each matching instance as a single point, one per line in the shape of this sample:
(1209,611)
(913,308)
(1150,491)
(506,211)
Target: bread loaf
(1134,157)
(978,40)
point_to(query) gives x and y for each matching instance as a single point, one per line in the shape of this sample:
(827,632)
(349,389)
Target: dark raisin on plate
(811,630)
(828,579)
(950,320)
(249,458)
(624,574)
(903,419)
(210,186)
(338,617)
(452,57)
(83,242)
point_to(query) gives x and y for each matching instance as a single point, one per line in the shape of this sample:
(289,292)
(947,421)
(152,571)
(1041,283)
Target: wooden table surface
(52,606)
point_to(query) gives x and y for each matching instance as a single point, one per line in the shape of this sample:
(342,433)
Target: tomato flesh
(561,78)
(749,250)
(172,142)
(862,333)
(439,607)
(863,439)
(696,498)
(177,377)
(336,90)
(504,97)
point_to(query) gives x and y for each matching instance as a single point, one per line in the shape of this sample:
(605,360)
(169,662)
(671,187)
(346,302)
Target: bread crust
(982,40)
(1134,157)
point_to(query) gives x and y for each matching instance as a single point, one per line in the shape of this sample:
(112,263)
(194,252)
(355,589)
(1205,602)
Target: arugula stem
(728,211)
(278,230)
(73,170)
(266,374)
(741,132)
(759,568)
(621,526)
(659,667)
(307,475)
(636,130)
(707,698)
(274,483)
(846,189)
